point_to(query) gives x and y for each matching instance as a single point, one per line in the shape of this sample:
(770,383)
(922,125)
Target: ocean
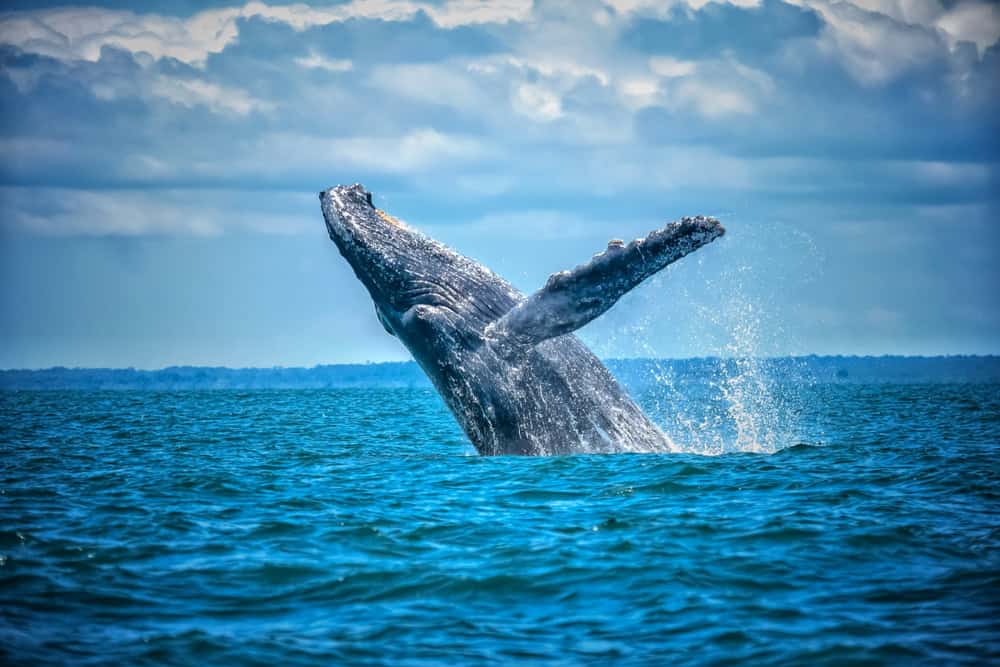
(800,522)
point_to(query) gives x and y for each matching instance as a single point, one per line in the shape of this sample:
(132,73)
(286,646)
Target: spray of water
(736,398)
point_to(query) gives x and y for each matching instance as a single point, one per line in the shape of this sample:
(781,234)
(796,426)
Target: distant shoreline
(633,372)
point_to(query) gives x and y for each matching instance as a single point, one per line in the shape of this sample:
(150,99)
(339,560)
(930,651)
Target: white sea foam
(745,403)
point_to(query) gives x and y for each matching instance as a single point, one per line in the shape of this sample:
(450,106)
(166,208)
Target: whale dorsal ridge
(572,298)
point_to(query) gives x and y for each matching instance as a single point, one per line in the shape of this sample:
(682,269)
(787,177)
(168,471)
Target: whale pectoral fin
(570,299)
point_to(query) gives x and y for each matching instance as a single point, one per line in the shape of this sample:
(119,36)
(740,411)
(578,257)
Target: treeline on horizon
(632,372)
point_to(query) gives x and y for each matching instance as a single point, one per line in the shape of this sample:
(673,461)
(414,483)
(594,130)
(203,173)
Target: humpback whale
(508,366)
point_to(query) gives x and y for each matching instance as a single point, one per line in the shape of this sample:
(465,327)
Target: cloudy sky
(159,164)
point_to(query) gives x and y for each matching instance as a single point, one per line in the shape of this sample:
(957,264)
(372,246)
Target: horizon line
(603,360)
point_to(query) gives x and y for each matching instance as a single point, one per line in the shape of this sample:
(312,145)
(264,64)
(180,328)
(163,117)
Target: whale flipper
(570,299)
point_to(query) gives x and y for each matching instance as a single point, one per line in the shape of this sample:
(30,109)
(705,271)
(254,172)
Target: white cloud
(711,88)
(539,83)
(414,151)
(317,61)
(579,101)
(879,40)
(670,67)
(663,7)
(195,92)
(70,212)
(965,21)
(108,85)
(875,48)
(975,22)
(640,91)
(466,12)
(876,40)
(536,102)
(554,67)
(712,101)
(79,33)
(438,83)
(922,12)
(73,33)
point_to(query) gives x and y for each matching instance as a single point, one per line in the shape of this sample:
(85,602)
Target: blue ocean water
(839,523)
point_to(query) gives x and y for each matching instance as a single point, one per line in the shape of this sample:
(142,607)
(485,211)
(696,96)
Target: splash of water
(736,399)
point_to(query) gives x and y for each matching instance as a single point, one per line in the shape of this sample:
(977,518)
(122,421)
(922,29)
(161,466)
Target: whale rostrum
(508,366)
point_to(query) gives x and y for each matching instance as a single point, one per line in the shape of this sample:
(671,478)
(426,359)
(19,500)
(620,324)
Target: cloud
(527,134)
(714,102)
(639,91)
(436,84)
(670,68)
(873,47)
(970,21)
(539,85)
(537,102)
(880,40)
(719,29)
(73,33)
(557,105)
(469,12)
(317,61)
(80,33)
(549,67)
(662,7)
(410,153)
(147,83)
(74,212)
(876,41)
(417,150)
(713,89)
(195,92)
(976,22)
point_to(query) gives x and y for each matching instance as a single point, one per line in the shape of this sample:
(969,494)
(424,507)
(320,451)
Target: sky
(159,164)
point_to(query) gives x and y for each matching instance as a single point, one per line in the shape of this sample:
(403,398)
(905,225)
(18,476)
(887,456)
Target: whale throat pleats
(571,299)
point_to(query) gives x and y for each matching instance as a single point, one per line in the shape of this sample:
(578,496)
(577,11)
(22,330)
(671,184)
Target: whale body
(508,366)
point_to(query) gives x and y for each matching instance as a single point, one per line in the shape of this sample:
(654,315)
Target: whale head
(415,282)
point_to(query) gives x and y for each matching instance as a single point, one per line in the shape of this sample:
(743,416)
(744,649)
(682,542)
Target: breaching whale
(508,366)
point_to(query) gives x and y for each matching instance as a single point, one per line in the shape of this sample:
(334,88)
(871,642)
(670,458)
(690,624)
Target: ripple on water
(350,527)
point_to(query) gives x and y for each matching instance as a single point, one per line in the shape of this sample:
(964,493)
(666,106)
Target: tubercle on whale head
(404,271)
(378,247)
(352,217)
(345,208)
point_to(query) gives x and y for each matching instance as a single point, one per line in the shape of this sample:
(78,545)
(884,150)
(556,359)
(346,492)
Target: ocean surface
(799,523)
